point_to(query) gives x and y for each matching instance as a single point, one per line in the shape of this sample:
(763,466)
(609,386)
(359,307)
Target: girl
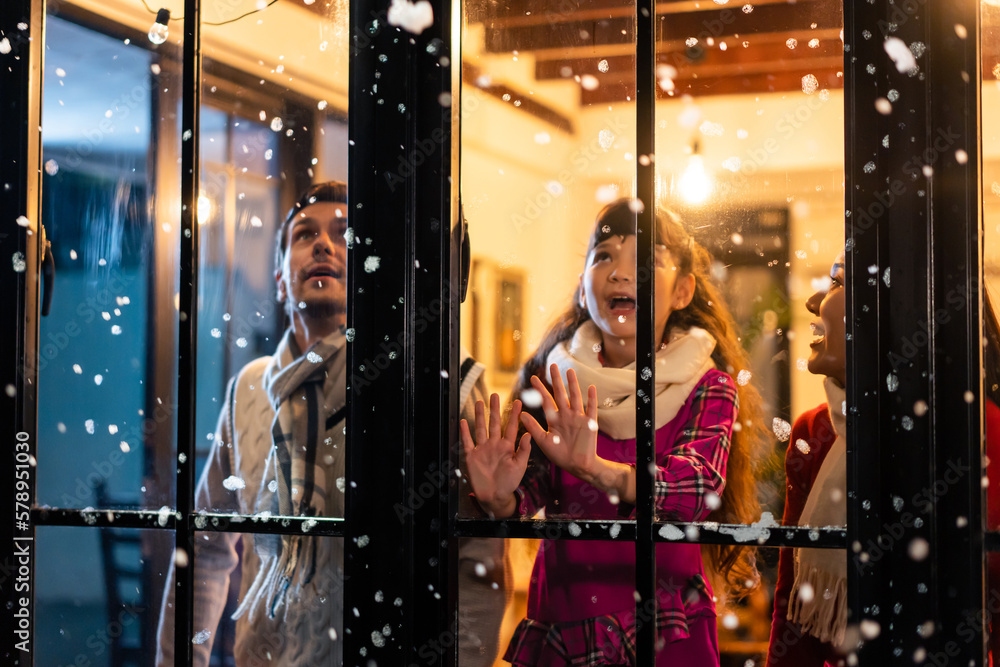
(581,604)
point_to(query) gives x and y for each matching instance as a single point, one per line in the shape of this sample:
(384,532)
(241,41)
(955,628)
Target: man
(279,450)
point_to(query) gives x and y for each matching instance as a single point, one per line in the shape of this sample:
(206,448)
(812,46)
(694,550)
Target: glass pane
(106,362)
(98,595)
(233,618)
(266,120)
(531,195)
(991,293)
(750,158)
(486,572)
(556,82)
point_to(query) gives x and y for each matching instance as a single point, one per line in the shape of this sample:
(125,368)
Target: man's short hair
(331,191)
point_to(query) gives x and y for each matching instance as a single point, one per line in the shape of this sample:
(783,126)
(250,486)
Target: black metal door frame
(920,232)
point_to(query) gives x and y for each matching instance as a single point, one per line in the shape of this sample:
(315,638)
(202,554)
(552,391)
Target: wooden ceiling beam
(774,56)
(749,84)
(595,11)
(791,18)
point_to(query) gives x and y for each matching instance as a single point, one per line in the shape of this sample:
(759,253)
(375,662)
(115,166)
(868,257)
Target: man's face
(312,279)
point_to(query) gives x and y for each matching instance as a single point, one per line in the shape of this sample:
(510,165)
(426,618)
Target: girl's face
(608,292)
(829,343)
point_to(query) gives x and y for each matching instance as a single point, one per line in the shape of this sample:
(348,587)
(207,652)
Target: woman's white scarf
(680,365)
(818,601)
(305,392)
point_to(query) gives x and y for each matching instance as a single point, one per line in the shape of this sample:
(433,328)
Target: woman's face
(608,292)
(829,343)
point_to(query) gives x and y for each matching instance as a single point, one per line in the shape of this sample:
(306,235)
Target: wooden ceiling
(714,48)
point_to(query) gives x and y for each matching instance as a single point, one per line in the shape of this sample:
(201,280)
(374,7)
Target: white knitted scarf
(818,601)
(680,365)
(305,391)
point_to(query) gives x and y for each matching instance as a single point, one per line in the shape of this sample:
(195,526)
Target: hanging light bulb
(158,32)
(694,184)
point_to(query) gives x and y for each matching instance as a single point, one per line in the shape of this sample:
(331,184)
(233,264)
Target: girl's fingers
(548,405)
(575,399)
(523,451)
(494,416)
(592,402)
(467,443)
(558,390)
(480,422)
(535,429)
(515,418)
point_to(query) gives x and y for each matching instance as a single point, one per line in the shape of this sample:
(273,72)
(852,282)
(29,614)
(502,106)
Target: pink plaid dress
(581,600)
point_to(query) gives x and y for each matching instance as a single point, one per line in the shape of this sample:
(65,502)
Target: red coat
(789,646)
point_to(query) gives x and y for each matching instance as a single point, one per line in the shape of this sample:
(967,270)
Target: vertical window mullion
(914,568)
(645,550)
(378,544)
(188,334)
(957,275)
(435,376)
(21,77)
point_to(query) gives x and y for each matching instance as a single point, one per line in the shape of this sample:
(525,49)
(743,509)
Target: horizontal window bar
(168,520)
(104,518)
(622,531)
(625,531)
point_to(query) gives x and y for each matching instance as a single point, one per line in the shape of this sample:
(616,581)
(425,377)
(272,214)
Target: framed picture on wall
(510,290)
(497,300)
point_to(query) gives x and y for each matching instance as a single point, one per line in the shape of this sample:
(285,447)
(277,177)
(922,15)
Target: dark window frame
(413,221)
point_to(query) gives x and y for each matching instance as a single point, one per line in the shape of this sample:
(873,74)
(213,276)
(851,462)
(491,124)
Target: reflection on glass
(273,227)
(484,577)
(749,155)
(531,194)
(102,419)
(98,594)
(235,623)
(749,151)
(991,271)
(273,122)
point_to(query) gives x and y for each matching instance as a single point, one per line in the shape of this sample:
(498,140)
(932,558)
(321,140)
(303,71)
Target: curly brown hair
(736,565)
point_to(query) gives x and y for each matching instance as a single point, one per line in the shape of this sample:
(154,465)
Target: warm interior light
(204,209)
(158,32)
(695,184)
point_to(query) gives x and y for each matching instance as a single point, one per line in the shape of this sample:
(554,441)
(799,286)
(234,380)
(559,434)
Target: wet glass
(274,112)
(106,362)
(552,80)
(224,572)
(991,272)
(98,594)
(750,156)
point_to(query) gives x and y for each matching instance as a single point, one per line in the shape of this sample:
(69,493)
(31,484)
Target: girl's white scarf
(818,601)
(680,365)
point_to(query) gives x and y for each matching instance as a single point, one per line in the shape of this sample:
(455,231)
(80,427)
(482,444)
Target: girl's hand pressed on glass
(495,467)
